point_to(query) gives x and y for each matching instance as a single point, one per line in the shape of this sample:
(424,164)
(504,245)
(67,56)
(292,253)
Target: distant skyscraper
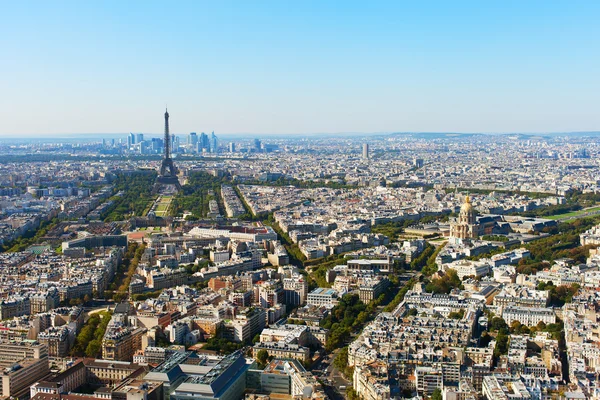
(214,143)
(130,140)
(174,144)
(156,145)
(365,152)
(193,139)
(144,147)
(231,147)
(139,138)
(203,142)
(257,144)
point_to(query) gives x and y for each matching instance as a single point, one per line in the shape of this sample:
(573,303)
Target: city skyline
(314,200)
(312,68)
(331,265)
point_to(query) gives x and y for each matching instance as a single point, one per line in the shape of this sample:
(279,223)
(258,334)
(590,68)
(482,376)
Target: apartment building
(322,297)
(22,363)
(528,316)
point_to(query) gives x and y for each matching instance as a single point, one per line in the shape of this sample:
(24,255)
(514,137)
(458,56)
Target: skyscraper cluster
(195,144)
(202,143)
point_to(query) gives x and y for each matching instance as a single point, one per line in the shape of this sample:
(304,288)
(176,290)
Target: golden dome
(466,207)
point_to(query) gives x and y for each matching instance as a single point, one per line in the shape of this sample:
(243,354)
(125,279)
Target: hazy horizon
(248,136)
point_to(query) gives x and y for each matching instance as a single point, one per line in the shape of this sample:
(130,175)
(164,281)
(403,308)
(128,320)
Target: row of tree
(576,200)
(125,272)
(195,196)
(136,195)
(559,295)
(89,340)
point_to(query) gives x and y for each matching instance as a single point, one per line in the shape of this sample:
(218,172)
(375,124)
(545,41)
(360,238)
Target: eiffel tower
(168,171)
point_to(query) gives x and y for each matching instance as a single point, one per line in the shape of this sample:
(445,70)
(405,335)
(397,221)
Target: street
(332,379)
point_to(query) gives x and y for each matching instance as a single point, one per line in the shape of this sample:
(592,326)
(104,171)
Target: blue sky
(299,67)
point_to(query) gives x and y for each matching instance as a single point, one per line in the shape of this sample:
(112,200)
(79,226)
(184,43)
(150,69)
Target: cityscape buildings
(259,274)
(401,201)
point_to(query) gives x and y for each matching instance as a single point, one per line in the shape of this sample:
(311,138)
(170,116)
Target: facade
(371,289)
(22,363)
(121,344)
(58,340)
(428,379)
(65,382)
(283,350)
(378,265)
(15,307)
(108,372)
(528,316)
(43,302)
(470,268)
(371,381)
(296,290)
(322,297)
(522,296)
(177,331)
(245,325)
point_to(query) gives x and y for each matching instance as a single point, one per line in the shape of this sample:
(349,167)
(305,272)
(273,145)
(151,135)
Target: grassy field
(148,207)
(574,214)
(162,207)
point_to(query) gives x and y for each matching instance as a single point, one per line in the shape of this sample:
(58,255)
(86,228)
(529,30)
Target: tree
(484,339)
(89,339)
(457,314)
(515,326)
(136,194)
(351,394)
(501,343)
(498,323)
(541,326)
(93,348)
(421,261)
(445,284)
(262,357)
(437,394)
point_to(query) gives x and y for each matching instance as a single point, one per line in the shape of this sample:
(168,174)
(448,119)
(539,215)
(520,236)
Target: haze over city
(309,67)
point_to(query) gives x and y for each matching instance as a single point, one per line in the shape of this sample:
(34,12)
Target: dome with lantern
(467,207)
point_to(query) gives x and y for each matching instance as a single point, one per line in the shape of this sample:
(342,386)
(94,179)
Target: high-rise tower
(168,172)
